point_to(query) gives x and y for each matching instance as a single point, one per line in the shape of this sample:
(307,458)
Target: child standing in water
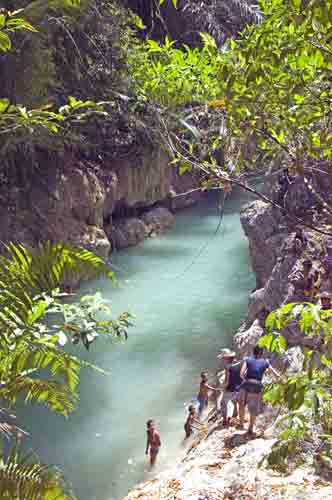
(191,419)
(203,395)
(153,441)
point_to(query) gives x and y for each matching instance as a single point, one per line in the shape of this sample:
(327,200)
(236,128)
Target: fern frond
(23,479)
(54,395)
(19,370)
(26,272)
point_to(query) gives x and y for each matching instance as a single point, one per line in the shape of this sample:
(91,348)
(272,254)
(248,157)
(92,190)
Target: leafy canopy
(20,120)
(274,82)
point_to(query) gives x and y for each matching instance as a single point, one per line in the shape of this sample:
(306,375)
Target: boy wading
(153,441)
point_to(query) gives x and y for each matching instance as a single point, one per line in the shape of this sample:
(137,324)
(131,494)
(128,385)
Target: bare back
(153,438)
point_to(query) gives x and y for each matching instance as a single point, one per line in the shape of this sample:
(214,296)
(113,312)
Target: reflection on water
(188,290)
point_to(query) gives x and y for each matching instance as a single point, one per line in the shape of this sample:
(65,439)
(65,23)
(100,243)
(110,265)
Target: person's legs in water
(202,404)
(153,456)
(188,431)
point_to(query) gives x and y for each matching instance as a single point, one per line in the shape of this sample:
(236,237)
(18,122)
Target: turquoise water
(188,290)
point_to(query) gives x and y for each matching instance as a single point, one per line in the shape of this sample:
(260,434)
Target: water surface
(188,290)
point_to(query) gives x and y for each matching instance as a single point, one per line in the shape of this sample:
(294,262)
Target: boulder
(246,338)
(256,304)
(157,220)
(94,238)
(127,232)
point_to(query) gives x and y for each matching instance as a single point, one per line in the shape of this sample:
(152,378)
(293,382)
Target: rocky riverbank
(222,463)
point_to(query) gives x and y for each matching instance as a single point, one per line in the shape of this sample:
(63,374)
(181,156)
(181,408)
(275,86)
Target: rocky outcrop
(225,465)
(247,337)
(96,207)
(127,232)
(263,228)
(277,257)
(132,230)
(157,220)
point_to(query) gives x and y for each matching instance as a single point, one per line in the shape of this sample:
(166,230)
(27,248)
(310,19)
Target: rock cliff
(118,204)
(277,255)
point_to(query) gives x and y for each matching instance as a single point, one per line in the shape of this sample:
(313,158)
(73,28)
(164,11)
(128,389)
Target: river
(188,290)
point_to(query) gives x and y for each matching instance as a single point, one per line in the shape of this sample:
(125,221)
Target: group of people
(242,386)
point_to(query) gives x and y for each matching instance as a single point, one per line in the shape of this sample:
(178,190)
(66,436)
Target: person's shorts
(253,401)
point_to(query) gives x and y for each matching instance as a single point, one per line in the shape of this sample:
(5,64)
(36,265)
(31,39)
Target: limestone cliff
(274,254)
(90,183)
(95,207)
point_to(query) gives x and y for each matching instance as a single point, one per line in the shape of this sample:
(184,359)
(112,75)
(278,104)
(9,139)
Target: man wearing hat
(231,384)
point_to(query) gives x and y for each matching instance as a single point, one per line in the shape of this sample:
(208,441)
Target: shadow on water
(189,293)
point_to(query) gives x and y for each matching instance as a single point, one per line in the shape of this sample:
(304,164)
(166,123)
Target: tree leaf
(5,43)
(4,104)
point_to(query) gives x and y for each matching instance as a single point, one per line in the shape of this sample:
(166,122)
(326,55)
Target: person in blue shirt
(252,373)
(232,384)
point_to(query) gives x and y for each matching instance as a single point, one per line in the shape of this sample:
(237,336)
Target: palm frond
(54,395)
(44,267)
(26,272)
(21,478)
(19,370)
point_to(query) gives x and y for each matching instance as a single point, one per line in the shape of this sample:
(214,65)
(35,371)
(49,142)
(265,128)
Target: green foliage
(22,477)
(174,2)
(173,76)
(24,122)
(305,395)
(82,321)
(21,121)
(10,23)
(274,80)
(27,272)
(35,325)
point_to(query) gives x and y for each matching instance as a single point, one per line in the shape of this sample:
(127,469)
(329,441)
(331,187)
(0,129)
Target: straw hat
(225,354)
